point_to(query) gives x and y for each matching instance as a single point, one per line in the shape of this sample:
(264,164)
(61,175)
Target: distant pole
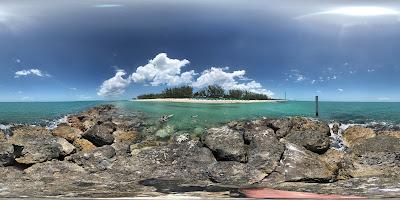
(316,106)
(285,96)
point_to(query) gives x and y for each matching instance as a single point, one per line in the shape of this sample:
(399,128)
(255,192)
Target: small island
(210,94)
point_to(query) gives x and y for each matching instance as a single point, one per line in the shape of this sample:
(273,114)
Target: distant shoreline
(189,100)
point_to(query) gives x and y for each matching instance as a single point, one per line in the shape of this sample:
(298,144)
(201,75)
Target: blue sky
(88,50)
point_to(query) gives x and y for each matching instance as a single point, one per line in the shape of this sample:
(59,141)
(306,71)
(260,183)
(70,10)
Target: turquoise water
(40,112)
(189,116)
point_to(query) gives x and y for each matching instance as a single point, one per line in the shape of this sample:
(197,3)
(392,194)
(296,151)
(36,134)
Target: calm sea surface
(189,116)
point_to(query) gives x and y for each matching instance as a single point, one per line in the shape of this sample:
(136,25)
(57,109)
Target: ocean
(188,116)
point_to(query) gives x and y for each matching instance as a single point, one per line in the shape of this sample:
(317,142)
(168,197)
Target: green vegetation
(210,92)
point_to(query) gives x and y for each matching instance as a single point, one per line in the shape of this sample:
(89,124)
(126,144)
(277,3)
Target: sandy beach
(188,100)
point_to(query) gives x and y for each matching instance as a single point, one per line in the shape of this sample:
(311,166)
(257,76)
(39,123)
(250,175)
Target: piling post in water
(316,106)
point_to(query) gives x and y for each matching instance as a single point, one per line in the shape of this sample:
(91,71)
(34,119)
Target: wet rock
(6,154)
(375,156)
(265,150)
(165,132)
(55,169)
(84,145)
(335,128)
(225,143)
(99,135)
(165,118)
(66,148)
(313,135)
(303,165)
(235,173)
(98,159)
(67,132)
(354,134)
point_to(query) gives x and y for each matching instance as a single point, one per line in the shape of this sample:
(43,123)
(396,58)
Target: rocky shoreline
(103,153)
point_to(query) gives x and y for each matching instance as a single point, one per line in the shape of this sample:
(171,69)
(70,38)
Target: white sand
(188,100)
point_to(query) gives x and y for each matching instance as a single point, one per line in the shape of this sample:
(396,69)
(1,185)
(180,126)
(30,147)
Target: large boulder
(6,154)
(76,121)
(98,159)
(265,150)
(34,147)
(84,145)
(67,132)
(55,169)
(123,140)
(20,131)
(186,160)
(235,173)
(99,135)
(225,143)
(354,134)
(313,135)
(280,126)
(377,156)
(301,164)
(66,148)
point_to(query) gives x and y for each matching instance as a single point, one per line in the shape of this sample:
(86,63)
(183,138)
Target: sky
(53,50)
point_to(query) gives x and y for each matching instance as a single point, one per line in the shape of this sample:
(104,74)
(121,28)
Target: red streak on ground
(281,194)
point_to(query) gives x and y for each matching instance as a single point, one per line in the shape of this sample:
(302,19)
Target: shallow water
(189,116)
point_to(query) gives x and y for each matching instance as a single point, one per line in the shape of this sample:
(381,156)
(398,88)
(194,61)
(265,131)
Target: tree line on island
(210,92)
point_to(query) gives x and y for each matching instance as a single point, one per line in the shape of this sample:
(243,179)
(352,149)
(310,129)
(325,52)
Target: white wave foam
(53,124)
(337,139)
(4,127)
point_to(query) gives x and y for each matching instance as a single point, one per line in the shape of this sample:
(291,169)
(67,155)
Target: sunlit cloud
(355,11)
(12,21)
(295,75)
(31,72)
(340,89)
(165,71)
(115,85)
(108,5)
(362,11)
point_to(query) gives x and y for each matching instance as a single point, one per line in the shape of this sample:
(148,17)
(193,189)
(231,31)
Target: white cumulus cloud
(115,85)
(228,80)
(163,70)
(33,72)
